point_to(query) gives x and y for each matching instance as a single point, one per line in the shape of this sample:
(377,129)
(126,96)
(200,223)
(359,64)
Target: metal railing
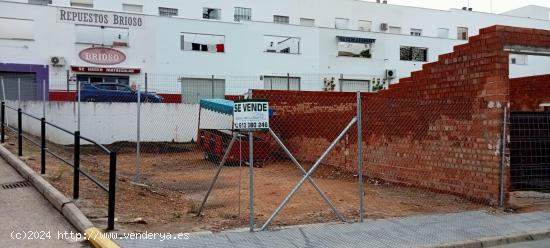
(110,189)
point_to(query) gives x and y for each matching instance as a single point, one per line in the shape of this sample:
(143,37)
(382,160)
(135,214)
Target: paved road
(419,231)
(533,244)
(25,212)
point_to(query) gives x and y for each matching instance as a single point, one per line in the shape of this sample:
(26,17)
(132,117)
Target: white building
(243,43)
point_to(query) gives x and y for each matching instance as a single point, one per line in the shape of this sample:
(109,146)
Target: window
(281,44)
(124,88)
(395,30)
(280,19)
(443,33)
(462,33)
(195,89)
(341,23)
(281,83)
(132,8)
(307,22)
(518,59)
(210,13)
(82,3)
(416,32)
(354,47)
(97,35)
(364,25)
(203,42)
(16,29)
(243,14)
(40,2)
(409,53)
(168,11)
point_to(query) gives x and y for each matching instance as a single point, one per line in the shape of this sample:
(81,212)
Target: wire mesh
(416,152)
(530,151)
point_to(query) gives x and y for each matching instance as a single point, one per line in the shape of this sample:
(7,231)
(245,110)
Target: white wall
(111,122)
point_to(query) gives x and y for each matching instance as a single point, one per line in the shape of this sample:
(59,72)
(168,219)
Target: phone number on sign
(249,125)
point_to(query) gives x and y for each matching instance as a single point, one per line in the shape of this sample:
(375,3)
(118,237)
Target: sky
(499,6)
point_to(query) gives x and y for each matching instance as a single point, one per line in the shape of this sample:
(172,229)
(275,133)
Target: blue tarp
(222,106)
(218,105)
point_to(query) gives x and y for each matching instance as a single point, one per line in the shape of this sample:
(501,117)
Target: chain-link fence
(418,156)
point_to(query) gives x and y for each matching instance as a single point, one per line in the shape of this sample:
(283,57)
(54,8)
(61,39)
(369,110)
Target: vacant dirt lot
(173,185)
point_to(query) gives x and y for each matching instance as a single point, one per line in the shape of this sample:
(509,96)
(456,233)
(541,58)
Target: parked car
(112,92)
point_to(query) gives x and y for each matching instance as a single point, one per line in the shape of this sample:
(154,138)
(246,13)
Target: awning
(355,40)
(222,106)
(218,105)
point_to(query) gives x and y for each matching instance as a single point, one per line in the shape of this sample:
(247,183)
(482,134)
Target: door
(281,83)
(13,83)
(195,89)
(354,85)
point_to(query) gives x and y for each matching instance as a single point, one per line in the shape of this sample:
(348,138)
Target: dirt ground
(174,184)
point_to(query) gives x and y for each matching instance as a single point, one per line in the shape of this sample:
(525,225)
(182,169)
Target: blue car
(112,92)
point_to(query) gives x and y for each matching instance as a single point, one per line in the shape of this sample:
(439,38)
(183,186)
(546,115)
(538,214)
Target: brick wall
(438,129)
(527,93)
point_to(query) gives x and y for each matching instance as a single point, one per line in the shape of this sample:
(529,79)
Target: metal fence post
(251,172)
(76,173)
(340,82)
(251,175)
(137,177)
(3,120)
(19,92)
(19,132)
(146,82)
(112,192)
(44,98)
(212,86)
(503,157)
(360,158)
(43,146)
(78,104)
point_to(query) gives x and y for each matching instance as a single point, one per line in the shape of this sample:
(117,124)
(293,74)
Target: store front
(97,79)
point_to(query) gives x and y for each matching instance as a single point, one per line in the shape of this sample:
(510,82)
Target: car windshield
(106,86)
(123,88)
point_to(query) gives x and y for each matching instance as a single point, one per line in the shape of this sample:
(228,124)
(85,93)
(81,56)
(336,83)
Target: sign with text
(105,70)
(97,18)
(102,56)
(251,115)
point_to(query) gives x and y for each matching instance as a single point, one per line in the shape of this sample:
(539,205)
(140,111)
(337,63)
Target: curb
(67,208)
(498,240)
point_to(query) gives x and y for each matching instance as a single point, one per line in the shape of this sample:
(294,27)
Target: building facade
(177,47)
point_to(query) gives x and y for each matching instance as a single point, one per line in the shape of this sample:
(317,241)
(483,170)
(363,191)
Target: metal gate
(354,85)
(530,151)
(281,83)
(13,83)
(195,89)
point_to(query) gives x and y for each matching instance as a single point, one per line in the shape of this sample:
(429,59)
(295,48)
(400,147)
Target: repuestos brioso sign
(251,115)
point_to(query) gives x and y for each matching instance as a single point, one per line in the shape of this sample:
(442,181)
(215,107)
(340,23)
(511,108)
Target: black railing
(110,189)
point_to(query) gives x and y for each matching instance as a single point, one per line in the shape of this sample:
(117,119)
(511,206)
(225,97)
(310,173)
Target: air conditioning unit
(390,73)
(57,61)
(384,27)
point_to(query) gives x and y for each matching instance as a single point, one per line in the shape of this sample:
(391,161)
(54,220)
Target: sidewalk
(419,231)
(24,211)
